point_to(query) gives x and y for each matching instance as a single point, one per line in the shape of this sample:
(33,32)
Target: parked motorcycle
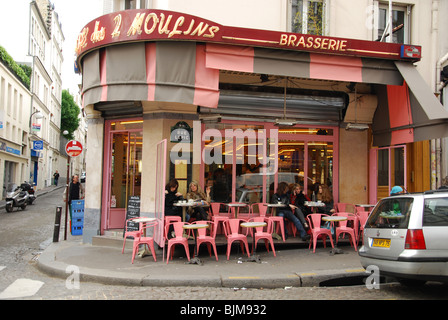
(26,186)
(15,197)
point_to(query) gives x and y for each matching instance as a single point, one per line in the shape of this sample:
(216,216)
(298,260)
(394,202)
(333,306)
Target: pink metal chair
(232,227)
(266,235)
(343,228)
(147,241)
(170,219)
(218,216)
(258,210)
(131,233)
(206,236)
(280,221)
(178,239)
(314,221)
(362,216)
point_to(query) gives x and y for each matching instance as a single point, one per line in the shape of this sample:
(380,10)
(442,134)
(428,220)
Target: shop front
(241,110)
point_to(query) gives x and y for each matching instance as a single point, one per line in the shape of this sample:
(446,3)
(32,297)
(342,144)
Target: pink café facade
(169,95)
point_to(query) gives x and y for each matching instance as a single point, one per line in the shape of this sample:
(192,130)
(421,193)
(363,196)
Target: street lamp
(37,115)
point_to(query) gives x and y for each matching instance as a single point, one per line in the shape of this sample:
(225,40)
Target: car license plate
(382,243)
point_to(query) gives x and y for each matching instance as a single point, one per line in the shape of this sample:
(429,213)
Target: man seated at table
(281,196)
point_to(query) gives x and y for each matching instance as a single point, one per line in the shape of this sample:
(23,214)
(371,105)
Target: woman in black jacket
(172,196)
(281,196)
(297,199)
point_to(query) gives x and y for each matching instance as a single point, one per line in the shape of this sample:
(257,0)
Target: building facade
(240,100)
(15,100)
(45,48)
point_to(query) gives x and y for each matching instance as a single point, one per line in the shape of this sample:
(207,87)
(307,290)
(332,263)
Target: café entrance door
(123,168)
(388,168)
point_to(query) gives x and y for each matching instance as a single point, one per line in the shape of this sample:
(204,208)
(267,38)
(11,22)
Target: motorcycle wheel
(8,208)
(23,206)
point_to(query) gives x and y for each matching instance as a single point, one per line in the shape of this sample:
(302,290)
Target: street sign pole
(73,148)
(67,190)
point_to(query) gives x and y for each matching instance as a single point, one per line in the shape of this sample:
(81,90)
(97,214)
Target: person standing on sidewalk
(76,190)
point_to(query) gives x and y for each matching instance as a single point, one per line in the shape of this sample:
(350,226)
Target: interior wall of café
(353,166)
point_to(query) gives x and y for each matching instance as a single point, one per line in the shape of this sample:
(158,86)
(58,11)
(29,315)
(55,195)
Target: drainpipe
(435,144)
(439,84)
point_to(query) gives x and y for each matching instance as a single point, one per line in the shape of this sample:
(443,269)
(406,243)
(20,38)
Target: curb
(48,264)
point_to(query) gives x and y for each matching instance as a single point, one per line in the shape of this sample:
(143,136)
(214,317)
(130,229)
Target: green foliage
(14,67)
(69,114)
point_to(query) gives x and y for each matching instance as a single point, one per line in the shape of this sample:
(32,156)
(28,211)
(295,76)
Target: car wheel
(411,282)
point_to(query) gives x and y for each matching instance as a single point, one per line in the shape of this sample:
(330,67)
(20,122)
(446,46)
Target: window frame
(407,9)
(305,19)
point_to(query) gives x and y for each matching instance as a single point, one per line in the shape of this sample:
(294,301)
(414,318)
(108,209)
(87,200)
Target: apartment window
(307,16)
(400,22)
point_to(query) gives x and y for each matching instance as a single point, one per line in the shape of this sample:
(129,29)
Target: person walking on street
(56,177)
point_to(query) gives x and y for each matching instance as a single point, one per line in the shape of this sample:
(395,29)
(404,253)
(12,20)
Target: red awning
(162,71)
(409,112)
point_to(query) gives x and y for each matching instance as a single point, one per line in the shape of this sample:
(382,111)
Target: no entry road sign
(73,148)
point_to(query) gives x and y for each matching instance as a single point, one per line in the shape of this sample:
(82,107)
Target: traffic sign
(38,145)
(73,148)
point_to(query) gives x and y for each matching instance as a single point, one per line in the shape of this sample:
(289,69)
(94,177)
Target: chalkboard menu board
(132,211)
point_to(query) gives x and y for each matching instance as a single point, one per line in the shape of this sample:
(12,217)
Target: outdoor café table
(195,226)
(314,205)
(234,205)
(274,207)
(365,205)
(253,224)
(185,205)
(144,252)
(334,219)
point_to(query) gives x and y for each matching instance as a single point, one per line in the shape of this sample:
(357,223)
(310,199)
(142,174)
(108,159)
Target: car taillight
(415,239)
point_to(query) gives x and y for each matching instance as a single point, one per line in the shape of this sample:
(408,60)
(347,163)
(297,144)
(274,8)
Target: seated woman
(297,200)
(286,212)
(324,195)
(172,196)
(195,193)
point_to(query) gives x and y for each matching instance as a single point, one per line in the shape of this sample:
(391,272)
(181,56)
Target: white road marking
(21,288)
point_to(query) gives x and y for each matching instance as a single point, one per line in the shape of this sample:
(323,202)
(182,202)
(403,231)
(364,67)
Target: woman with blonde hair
(195,193)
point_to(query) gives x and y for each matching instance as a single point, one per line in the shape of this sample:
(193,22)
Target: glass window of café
(244,162)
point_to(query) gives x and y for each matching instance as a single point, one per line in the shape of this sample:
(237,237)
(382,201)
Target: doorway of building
(123,159)
(389,166)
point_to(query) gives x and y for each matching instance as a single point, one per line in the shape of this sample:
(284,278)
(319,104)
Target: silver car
(406,237)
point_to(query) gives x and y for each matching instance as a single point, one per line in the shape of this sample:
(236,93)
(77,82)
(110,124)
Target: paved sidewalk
(294,266)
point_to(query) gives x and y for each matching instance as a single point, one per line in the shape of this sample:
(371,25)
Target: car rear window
(435,213)
(391,213)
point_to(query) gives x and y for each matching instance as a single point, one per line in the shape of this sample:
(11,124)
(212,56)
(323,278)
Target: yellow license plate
(382,243)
